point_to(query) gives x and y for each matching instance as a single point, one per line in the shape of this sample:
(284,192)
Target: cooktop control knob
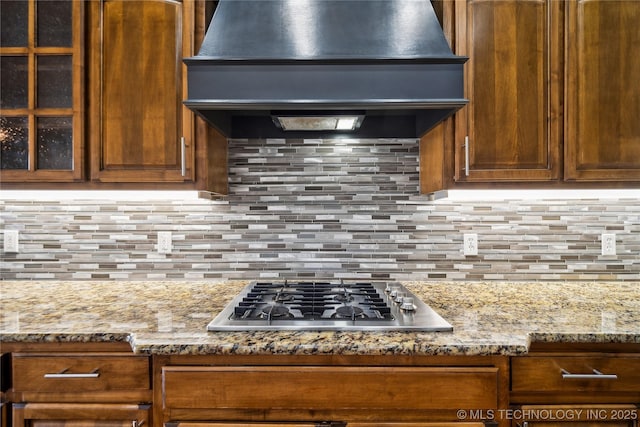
(407,304)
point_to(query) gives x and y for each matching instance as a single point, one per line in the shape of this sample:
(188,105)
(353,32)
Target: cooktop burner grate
(308,305)
(312,301)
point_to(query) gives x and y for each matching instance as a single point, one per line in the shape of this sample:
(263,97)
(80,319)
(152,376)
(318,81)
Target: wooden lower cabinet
(559,388)
(80,415)
(80,388)
(352,391)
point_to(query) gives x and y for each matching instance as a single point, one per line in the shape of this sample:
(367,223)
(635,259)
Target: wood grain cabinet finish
(512,125)
(563,379)
(80,415)
(603,94)
(552,92)
(576,374)
(590,390)
(312,393)
(46,373)
(138,127)
(80,389)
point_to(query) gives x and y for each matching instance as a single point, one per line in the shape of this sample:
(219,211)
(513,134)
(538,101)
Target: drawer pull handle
(137,423)
(183,157)
(64,374)
(597,375)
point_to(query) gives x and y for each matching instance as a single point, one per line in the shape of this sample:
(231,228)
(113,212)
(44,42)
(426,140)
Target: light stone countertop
(170,317)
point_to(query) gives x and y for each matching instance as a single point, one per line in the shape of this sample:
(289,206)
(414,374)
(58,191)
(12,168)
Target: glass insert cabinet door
(41,106)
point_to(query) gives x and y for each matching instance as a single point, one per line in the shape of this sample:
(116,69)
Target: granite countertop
(170,317)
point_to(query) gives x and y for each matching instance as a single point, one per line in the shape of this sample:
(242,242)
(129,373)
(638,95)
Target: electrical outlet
(11,238)
(470,244)
(608,244)
(164,242)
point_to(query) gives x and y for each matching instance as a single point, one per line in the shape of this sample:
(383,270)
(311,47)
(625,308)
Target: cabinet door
(512,123)
(41,91)
(603,94)
(140,131)
(79,415)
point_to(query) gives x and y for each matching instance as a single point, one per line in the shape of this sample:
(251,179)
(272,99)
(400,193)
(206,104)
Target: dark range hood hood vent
(295,68)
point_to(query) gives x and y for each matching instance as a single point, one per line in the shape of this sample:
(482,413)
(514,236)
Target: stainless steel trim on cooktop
(422,318)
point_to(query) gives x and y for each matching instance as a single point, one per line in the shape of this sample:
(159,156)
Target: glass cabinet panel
(41,90)
(13,23)
(54,23)
(14,82)
(55,143)
(14,142)
(55,81)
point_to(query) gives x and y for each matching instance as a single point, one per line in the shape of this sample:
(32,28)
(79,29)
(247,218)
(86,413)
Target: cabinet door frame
(76,112)
(574,167)
(96,98)
(553,78)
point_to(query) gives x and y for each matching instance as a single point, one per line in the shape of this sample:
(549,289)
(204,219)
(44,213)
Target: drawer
(81,415)
(80,372)
(575,374)
(321,387)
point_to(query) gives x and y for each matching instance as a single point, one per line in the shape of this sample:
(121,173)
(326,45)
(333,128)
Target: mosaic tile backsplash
(322,209)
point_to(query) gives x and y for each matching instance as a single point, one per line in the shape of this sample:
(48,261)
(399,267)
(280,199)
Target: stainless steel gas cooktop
(330,305)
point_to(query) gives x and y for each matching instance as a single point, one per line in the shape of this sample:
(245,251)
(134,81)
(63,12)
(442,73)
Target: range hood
(324,68)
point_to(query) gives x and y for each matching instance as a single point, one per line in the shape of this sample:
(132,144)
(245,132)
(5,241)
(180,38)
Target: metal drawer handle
(183,157)
(466,155)
(137,423)
(597,375)
(63,374)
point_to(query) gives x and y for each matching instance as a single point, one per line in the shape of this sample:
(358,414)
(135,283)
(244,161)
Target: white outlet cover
(608,244)
(164,242)
(470,244)
(11,241)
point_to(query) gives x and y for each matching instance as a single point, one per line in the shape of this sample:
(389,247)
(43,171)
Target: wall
(322,209)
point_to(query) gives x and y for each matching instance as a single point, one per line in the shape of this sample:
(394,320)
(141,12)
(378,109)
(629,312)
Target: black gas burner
(349,312)
(312,301)
(321,305)
(274,311)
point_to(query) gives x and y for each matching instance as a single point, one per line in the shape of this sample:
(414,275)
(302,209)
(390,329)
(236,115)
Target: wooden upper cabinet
(513,121)
(41,91)
(139,129)
(603,92)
